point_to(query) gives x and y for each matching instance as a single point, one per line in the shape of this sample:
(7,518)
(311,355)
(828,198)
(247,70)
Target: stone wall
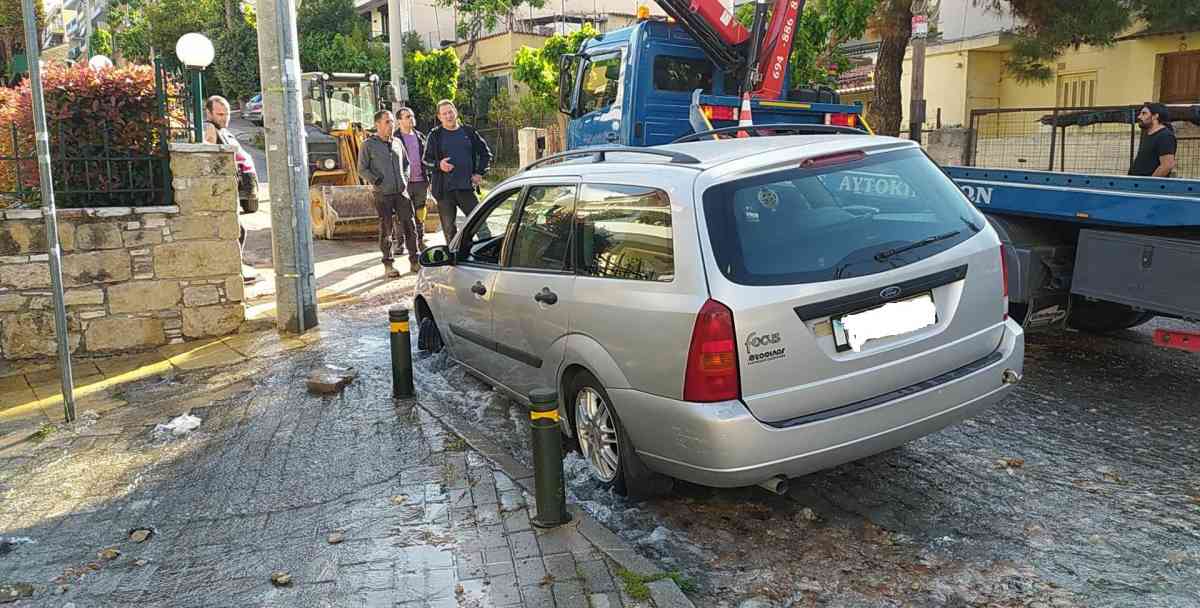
(949,146)
(134,277)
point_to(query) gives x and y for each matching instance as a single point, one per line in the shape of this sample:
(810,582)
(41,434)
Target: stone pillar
(204,258)
(527,145)
(950,146)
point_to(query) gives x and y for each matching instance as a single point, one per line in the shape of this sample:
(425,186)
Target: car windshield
(856,218)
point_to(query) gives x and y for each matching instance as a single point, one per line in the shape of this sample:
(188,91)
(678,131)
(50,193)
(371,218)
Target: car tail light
(1004,278)
(712,372)
(844,120)
(719,112)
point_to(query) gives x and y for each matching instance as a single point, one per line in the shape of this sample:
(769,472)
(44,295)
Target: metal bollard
(402,374)
(547,459)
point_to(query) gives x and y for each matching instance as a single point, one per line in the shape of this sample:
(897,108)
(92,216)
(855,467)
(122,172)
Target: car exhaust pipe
(1010,376)
(775,485)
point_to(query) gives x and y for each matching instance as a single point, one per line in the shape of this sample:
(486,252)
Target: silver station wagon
(734,312)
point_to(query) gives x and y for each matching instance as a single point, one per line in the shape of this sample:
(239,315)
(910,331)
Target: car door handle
(545,296)
(478,289)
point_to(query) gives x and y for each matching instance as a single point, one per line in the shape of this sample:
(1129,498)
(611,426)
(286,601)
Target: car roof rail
(788,128)
(599,153)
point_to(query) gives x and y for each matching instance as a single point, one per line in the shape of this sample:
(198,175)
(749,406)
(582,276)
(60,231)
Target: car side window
(543,233)
(484,241)
(624,232)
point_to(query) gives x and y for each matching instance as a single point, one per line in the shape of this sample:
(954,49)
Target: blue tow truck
(1097,253)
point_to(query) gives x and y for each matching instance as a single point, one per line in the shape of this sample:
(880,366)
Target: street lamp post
(196,52)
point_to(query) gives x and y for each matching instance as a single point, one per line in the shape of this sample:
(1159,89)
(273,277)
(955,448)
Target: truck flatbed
(1085,199)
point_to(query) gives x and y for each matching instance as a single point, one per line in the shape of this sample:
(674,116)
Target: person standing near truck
(1156,155)
(456,158)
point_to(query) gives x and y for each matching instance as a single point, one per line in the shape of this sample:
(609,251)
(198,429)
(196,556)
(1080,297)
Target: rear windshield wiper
(929,240)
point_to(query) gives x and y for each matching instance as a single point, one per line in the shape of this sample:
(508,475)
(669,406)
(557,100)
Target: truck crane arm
(762,56)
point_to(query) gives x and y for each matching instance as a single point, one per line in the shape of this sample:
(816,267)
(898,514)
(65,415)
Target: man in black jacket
(456,158)
(382,163)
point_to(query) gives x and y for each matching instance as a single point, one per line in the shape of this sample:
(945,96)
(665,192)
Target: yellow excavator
(338,108)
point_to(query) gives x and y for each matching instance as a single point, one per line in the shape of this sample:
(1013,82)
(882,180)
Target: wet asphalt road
(1082,489)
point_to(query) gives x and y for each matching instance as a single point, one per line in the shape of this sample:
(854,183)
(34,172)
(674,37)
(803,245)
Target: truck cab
(634,87)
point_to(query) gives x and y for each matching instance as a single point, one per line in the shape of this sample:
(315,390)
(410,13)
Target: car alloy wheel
(596,431)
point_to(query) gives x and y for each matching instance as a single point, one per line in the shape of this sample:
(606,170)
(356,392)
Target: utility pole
(287,167)
(396,51)
(916,110)
(33,52)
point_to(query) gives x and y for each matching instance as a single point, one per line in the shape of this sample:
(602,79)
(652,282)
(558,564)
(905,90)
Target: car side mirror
(438,255)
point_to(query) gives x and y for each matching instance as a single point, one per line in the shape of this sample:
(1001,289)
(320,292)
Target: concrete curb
(665,592)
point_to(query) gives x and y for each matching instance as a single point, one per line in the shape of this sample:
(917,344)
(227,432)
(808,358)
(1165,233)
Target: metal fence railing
(1101,140)
(503,142)
(103,165)
(174,100)
(94,173)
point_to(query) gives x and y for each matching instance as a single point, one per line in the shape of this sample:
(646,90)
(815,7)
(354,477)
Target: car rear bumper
(723,445)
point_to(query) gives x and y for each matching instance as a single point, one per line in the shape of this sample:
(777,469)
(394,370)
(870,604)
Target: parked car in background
(731,313)
(252,110)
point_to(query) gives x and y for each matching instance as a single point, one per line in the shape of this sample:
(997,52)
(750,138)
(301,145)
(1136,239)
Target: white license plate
(852,331)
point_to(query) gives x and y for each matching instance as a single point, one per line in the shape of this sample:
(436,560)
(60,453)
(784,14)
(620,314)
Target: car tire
(606,446)
(1104,317)
(429,338)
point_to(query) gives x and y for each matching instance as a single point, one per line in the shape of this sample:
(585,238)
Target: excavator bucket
(343,211)
(339,206)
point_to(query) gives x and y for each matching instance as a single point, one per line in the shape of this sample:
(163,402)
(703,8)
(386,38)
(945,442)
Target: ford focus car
(731,313)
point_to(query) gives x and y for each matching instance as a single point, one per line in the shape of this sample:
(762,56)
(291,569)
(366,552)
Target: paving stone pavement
(421,518)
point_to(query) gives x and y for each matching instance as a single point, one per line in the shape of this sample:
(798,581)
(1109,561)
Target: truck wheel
(1104,317)
(605,445)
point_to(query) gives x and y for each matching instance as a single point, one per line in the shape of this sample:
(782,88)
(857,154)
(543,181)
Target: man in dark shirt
(456,158)
(1156,155)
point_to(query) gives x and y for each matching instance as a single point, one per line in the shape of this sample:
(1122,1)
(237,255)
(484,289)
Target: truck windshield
(809,225)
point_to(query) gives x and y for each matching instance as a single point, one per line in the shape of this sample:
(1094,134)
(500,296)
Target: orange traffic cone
(744,118)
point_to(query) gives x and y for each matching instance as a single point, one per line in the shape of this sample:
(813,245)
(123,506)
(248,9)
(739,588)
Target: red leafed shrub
(104,131)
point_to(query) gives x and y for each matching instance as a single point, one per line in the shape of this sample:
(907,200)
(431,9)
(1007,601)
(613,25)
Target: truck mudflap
(1150,273)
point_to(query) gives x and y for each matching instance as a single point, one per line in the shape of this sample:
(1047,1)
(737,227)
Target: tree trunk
(231,13)
(473,31)
(894,24)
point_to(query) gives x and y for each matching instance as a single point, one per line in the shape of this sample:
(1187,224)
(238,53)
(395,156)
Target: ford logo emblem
(889,292)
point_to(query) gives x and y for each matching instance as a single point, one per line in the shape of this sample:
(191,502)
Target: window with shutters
(1077,90)
(1181,78)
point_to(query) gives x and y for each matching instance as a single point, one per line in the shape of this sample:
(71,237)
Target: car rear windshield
(857,216)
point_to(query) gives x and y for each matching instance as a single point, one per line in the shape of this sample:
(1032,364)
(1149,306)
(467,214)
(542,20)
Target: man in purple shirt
(418,184)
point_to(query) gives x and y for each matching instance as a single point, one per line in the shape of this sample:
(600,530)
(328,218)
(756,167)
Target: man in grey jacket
(383,163)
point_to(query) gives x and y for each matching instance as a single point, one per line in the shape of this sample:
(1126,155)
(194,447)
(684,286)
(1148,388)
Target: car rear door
(534,290)
(851,278)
